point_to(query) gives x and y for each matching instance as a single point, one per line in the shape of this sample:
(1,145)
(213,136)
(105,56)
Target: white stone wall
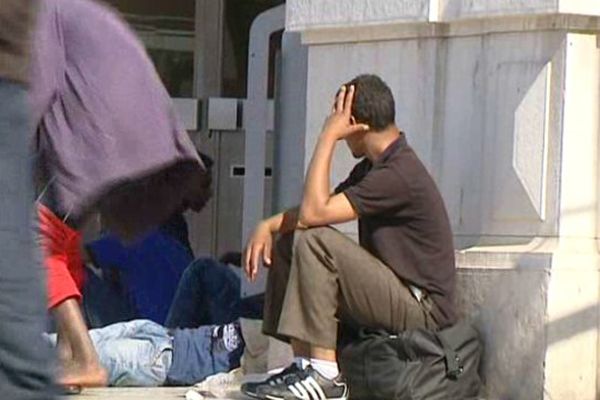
(466,104)
(508,304)
(303,14)
(460,9)
(504,112)
(319,14)
(455,9)
(500,117)
(573,298)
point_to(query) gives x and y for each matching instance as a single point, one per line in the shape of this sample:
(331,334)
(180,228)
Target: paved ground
(139,393)
(130,393)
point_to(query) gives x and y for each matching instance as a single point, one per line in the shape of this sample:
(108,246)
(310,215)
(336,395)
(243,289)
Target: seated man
(144,353)
(400,277)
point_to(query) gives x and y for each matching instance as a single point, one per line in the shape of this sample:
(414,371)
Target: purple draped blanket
(107,135)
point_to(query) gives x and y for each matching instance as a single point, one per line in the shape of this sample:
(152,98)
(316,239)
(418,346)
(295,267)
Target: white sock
(301,362)
(329,369)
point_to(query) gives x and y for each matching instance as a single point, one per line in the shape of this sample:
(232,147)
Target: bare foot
(84,376)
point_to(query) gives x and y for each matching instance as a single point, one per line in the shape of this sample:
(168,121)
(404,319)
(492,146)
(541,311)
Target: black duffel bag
(414,365)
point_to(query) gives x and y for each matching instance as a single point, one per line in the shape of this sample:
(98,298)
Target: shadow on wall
(509,307)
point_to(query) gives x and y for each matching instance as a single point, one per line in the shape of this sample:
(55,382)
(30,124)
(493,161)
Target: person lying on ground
(401,275)
(202,335)
(145,354)
(108,141)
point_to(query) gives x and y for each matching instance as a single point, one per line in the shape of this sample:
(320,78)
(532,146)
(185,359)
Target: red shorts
(61,250)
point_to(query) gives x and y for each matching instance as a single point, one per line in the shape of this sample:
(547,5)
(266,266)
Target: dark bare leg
(79,361)
(63,348)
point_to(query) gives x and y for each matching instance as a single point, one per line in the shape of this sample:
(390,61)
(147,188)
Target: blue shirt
(150,268)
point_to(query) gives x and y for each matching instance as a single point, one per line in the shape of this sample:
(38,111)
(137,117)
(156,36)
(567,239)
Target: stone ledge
(307,15)
(303,15)
(397,30)
(502,260)
(464,9)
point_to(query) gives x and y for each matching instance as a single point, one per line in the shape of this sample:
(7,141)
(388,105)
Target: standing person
(109,142)
(24,358)
(400,277)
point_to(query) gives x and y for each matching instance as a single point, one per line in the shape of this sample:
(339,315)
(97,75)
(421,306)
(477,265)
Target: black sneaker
(288,375)
(309,385)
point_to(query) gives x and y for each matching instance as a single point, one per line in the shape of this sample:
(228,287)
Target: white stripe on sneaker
(310,389)
(310,381)
(302,389)
(298,393)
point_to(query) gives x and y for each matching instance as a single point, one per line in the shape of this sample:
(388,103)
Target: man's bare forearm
(317,190)
(317,207)
(284,222)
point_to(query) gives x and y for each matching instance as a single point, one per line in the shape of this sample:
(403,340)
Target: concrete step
(172,393)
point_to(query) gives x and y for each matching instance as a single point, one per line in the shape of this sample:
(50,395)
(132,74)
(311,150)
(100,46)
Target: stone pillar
(501,100)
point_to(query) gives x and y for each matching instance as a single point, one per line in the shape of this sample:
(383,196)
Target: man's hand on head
(340,123)
(318,206)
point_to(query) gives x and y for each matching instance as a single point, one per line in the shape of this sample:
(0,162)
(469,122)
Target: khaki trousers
(320,277)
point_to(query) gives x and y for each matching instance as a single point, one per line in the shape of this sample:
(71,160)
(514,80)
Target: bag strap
(368,333)
(454,364)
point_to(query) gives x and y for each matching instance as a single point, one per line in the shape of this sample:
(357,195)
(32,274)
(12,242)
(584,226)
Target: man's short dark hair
(373,102)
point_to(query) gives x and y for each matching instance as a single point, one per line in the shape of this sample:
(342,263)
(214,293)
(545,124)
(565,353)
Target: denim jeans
(144,353)
(25,360)
(201,352)
(105,301)
(208,293)
(135,353)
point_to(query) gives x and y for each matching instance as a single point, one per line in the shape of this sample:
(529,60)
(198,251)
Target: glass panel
(167,30)
(176,69)
(239,15)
